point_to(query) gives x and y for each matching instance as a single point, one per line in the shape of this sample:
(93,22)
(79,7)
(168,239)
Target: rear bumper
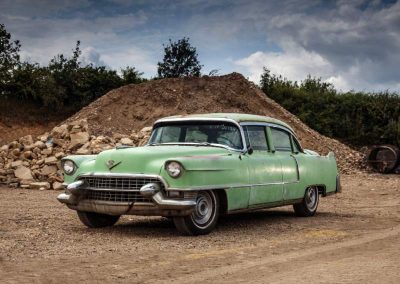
(338,184)
(159,205)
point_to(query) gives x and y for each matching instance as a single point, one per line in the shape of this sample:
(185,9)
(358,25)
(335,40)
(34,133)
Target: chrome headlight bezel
(174,169)
(69,167)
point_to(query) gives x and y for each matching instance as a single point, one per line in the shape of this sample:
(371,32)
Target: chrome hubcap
(203,211)
(311,198)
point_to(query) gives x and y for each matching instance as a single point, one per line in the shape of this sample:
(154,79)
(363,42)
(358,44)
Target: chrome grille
(117,189)
(116,196)
(119,183)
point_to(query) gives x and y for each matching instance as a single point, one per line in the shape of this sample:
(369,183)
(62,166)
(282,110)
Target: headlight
(69,167)
(174,169)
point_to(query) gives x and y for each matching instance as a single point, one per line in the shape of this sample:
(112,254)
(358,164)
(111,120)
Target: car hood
(150,159)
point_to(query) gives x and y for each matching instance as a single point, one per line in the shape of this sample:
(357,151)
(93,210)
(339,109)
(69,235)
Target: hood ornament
(111,164)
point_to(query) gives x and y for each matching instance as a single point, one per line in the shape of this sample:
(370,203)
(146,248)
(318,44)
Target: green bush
(64,84)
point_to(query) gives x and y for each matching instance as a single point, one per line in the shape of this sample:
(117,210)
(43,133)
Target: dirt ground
(354,238)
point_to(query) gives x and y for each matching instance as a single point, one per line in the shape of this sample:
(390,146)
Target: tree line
(356,118)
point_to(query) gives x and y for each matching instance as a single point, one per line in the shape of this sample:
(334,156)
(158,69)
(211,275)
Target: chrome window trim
(230,186)
(188,119)
(269,124)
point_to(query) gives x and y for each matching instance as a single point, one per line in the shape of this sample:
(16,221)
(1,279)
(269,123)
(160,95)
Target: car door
(265,170)
(284,149)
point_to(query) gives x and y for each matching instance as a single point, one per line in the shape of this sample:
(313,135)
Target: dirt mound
(20,118)
(133,107)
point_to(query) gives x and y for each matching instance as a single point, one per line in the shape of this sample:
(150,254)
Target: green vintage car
(196,168)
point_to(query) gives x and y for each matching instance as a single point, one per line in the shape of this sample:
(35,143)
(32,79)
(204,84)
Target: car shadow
(267,219)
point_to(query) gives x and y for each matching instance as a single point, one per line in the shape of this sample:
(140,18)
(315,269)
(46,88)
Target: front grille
(119,183)
(116,196)
(118,189)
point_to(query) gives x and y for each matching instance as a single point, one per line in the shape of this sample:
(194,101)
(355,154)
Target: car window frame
(247,138)
(293,140)
(194,121)
(289,136)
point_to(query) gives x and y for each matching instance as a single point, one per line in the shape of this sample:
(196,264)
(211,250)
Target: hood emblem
(111,164)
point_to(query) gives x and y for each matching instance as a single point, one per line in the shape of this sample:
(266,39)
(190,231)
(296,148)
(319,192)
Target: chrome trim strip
(197,144)
(206,119)
(229,186)
(111,189)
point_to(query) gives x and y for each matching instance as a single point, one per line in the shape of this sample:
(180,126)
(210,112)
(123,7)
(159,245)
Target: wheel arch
(321,188)
(223,201)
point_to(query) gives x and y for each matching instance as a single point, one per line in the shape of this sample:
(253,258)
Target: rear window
(281,140)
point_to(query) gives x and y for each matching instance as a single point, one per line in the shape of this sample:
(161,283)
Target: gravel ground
(353,238)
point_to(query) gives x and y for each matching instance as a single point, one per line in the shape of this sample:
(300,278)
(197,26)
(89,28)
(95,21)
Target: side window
(256,138)
(296,145)
(281,140)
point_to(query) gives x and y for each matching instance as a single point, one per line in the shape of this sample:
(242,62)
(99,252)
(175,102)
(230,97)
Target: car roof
(238,117)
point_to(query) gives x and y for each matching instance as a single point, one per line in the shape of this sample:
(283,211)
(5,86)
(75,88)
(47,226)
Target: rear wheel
(309,205)
(204,217)
(97,220)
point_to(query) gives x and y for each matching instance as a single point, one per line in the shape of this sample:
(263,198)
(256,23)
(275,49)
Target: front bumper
(158,205)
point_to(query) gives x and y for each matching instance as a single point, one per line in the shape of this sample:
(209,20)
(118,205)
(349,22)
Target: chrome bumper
(160,205)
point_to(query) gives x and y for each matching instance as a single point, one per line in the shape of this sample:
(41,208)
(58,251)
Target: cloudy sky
(353,44)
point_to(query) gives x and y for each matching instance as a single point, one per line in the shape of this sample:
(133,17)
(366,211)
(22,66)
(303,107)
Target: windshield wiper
(208,144)
(123,147)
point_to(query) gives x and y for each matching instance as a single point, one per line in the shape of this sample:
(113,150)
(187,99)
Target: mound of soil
(133,107)
(19,118)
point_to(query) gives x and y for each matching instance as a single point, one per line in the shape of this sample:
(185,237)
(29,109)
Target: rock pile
(35,163)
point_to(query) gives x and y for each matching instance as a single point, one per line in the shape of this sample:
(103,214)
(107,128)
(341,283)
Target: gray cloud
(361,44)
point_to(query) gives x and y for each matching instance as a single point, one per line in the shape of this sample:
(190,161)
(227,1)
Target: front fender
(83,163)
(208,172)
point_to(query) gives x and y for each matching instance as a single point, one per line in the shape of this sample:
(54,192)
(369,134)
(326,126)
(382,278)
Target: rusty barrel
(384,158)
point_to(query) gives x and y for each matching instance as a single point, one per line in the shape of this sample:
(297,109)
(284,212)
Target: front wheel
(97,220)
(204,217)
(309,205)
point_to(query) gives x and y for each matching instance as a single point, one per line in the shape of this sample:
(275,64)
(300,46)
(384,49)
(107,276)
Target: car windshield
(202,133)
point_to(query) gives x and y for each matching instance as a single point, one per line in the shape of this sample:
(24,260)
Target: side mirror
(249,150)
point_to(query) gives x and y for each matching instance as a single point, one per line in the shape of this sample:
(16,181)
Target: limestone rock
(146,129)
(47,151)
(16,164)
(84,150)
(26,140)
(44,137)
(58,185)
(4,148)
(78,139)
(16,152)
(23,173)
(49,170)
(40,144)
(126,141)
(59,142)
(39,185)
(27,154)
(50,160)
(59,131)
(59,155)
